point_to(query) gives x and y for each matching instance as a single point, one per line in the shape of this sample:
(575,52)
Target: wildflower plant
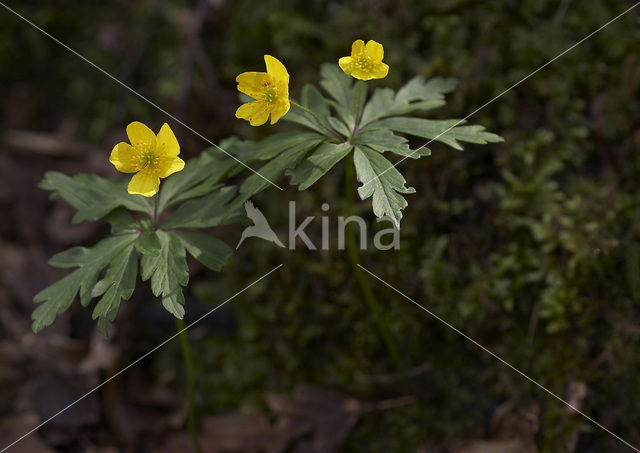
(144,241)
(154,226)
(342,122)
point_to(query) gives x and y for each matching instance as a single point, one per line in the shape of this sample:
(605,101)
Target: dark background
(531,246)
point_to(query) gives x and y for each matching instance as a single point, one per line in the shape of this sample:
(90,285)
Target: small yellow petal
(145,183)
(167,145)
(346,64)
(357,47)
(252,83)
(140,134)
(374,50)
(255,112)
(380,71)
(168,166)
(280,110)
(276,69)
(124,159)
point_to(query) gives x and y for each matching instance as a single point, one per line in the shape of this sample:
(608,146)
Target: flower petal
(123,157)
(275,68)
(357,47)
(255,112)
(168,166)
(380,71)
(168,145)
(280,110)
(145,183)
(346,64)
(140,134)
(374,50)
(252,83)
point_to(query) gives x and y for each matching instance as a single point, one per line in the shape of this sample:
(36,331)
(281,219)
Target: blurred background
(531,246)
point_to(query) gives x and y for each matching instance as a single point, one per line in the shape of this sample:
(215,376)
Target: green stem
(187,359)
(363,279)
(318,120)
(154,218)
(359,106)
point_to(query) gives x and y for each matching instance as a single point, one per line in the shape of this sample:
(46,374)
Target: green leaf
(93,196)
(313,100)
(318,163)
(58,297)
(210,251)
(117,284)
(168,272)
(287,159)
(382,181)
(383,140)
(344,92)
(416,95)
(122,222)
(210,210)
(270,147)
(148,243)
(199,177)
(430,129)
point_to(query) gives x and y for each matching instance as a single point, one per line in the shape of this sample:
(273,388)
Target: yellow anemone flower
(269,89)
(365,62)
(151,157)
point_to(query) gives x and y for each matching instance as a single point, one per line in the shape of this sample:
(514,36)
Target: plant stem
(187,359)
(318,120)
(363,280)
(358,107)
(154,218)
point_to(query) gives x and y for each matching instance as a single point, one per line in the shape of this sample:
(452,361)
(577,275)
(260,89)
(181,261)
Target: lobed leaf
(168,272)
(383,182)
(445,131)
(93,196)
(58,297)
(319,162)
(210,251)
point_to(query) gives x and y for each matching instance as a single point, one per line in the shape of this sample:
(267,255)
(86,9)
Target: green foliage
(198,200)
(345,119)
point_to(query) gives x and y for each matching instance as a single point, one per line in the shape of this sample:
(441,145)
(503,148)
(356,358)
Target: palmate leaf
(117,284)
(168,272)
(343,91)
(287,157)
(93,196)
(446,131)
(199,177)
(381,181)
(211,210)
(58,297)
(317,163)
(210,251)
(313,100)
(417,95)
(383,140)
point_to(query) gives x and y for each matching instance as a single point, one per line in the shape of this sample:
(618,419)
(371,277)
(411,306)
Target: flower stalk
(363,280)
(187,359)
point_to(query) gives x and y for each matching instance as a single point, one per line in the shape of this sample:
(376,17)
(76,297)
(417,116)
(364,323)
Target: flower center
(363,62)
(146,156)
(270,95)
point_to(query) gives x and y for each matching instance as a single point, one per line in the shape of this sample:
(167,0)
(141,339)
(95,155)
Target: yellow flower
(269,89)
(151,157)
(365,62)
